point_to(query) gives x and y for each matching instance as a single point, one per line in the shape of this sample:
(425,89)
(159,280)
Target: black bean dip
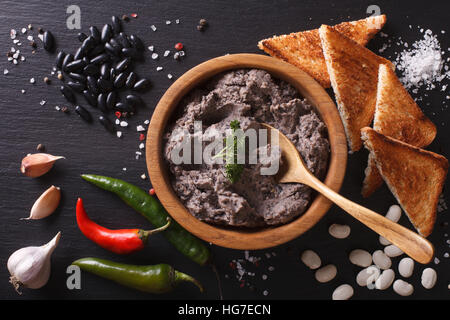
(255,200)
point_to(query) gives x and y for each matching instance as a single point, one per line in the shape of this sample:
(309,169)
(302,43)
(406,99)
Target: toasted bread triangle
(397,115)
(414,176)
(304,50)
(353,71)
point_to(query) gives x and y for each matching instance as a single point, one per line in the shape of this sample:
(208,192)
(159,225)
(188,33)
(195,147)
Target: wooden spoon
(293,169)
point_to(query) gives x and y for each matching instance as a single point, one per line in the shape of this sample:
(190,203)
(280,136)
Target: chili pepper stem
(181,277)
(147,233)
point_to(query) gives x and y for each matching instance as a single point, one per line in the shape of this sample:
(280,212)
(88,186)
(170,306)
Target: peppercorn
(60,76)
(47,80)
(203,22)
(33,44)
(200,27)
(40,30)
(125,18)
(40,147)
(65,109)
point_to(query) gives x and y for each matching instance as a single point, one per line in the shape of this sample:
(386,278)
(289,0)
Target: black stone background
(234,27)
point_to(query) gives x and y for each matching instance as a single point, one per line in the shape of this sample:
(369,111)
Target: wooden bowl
(245,239)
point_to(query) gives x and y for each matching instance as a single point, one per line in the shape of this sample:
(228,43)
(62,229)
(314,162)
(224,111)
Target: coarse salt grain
(119,134)
(169,76)
(5,71)
(32,80)
(151,48)
(154,56)
(140,128)
(168,22)
(153,27)
(141,146)
(159,68)
(123,124)
(166,53)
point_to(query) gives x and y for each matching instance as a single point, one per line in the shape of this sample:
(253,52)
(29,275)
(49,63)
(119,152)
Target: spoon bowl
(294,170)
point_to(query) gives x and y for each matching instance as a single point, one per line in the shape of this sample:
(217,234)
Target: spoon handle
(414,245)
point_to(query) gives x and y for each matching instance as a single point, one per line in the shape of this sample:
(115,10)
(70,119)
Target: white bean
(403,288)
(394,213)
(343,292)
(393,251)
(339,231)
(311,259)
(368,276)
(384,241)
(406,267)
(385,280)
(381,260)
(326,273)
(429,278)
(360,258)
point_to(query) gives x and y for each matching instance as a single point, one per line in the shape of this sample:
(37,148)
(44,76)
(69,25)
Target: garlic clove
(30,266)
(37,164)
(46,204)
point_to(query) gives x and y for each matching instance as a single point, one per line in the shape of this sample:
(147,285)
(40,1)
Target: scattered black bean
(111,99)
(90,98)
(106,123)
(76,86)
(48,41)
(123,107)
(116,24)
(106,33)
(83,113)
(104,85)
(136,42)
(75,65)
(101,102)
(129,52)
(123,39)
(100,58)
(98,49)
(134,100)
(120,80)
(60,58)
(115,44)
(142,85)
(131,80)
(111,49)
(81,36)
(91,70)
(67,59)
(122,65)
(112,73)
(95,33)
(79,54)
(88,44)
(77,76)
(92,84)
(105,71)
(68,94)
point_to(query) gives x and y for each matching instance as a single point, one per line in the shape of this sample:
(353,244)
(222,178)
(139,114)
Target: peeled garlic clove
(30,266)
(46,204)
(37,164)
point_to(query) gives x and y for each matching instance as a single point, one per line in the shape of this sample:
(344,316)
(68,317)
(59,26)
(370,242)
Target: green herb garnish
(233,169)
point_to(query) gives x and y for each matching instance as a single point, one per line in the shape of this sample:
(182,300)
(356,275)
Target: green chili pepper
(152,209)
(159,278)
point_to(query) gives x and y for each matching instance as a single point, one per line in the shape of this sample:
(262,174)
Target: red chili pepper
(141,137)
(179,46)
(120,241)
(118,114)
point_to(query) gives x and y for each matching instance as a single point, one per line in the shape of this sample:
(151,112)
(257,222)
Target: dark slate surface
(235,26)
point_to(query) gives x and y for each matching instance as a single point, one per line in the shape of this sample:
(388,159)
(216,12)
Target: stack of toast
(368,91)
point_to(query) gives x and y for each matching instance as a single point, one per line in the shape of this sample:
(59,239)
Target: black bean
(114,43)
(90,98)
(79,54)
(91,70)
(142,85)
(111,49)
(123,39)
(98,49)
(123,64)
(75,65)
(106,33)
(104,85)
(81,36)
(116,24)
(106,123)
(68,94)
(92,84)
(83,113)
(120,80)
(129,52)
(76,86)
(111,99)
(131,80)
(123,107)
(104,71)
(88,44)
(67,59)
(112,73)
(60,58)
(48,41)
(134,100)
(101,102)
(77,76)
(100,59)
(136,42)
(95,33)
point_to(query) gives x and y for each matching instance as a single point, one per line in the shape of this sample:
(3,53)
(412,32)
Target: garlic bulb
(30,266)
(46,204)
(37,164)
